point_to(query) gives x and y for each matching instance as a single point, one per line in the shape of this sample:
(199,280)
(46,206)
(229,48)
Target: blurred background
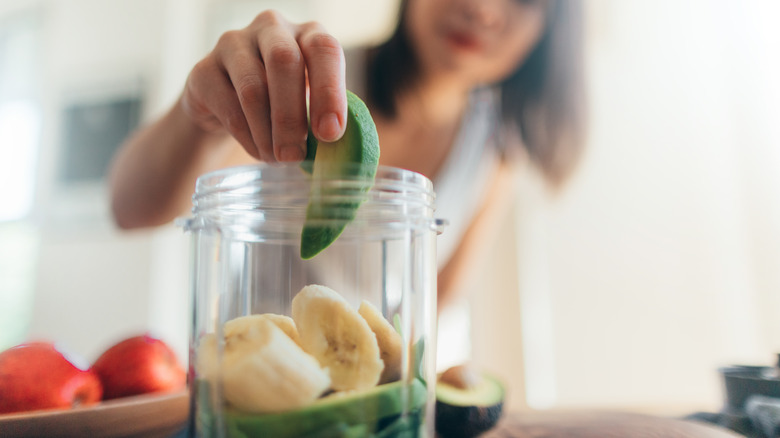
(659,263)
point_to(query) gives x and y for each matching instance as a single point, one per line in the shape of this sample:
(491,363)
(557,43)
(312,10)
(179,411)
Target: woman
(463,92)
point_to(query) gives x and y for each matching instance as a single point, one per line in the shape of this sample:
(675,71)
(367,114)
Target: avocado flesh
(354,157)
(464,413)
(340,416)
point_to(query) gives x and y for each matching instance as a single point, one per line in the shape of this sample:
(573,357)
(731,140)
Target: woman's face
(477,41)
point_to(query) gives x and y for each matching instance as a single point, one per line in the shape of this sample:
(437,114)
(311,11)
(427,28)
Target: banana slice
(283,322)
(387,338)
(263,370)
(235,326)
(338,337)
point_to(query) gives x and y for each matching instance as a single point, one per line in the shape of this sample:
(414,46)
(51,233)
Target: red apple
(36,375)
(139,365)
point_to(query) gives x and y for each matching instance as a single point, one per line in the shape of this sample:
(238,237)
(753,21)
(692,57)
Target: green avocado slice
(469,412)
(355,157)
(348,413)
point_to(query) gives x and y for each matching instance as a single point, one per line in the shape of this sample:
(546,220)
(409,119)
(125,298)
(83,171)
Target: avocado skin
(358,146)
(466,421)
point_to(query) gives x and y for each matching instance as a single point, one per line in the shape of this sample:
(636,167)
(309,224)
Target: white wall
(91,282)
(660,260)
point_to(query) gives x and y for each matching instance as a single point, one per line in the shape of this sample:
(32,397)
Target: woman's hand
(255,82)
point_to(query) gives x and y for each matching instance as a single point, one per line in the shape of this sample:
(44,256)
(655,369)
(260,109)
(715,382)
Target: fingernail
(329,128)
(291,153)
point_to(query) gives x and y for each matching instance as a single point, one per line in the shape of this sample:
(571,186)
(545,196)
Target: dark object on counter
(764,412)
(761,418)
(752,401)
(742,381)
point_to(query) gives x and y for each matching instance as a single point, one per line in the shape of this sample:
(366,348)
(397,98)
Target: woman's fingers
(254,84)
(285,69)
(241,61)
(209,96)
(325,63)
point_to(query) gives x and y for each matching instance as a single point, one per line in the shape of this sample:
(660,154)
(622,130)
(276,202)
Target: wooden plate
(145,416)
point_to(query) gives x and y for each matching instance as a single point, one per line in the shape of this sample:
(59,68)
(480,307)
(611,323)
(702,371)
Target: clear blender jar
(338,345)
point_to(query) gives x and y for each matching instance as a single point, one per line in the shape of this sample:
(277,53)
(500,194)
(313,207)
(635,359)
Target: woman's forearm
(153,175)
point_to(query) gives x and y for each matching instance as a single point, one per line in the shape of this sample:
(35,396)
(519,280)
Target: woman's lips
(463,41)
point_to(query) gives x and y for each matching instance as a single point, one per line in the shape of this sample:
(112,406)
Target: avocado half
(464,411)
(354,157)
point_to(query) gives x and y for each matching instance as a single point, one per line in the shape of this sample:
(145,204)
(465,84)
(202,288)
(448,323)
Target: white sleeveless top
(462,183)
(461,187)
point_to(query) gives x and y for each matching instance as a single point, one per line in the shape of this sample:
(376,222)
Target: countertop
(598,424)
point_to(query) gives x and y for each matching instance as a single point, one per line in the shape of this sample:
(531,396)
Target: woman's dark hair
(543,99)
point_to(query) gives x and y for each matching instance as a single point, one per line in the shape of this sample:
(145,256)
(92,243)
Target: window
(20,121)
(20,115)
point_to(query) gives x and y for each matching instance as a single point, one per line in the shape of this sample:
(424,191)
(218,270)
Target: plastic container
(245,259)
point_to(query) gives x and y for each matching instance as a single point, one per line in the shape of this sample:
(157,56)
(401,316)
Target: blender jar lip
(269,192)
(233,178)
